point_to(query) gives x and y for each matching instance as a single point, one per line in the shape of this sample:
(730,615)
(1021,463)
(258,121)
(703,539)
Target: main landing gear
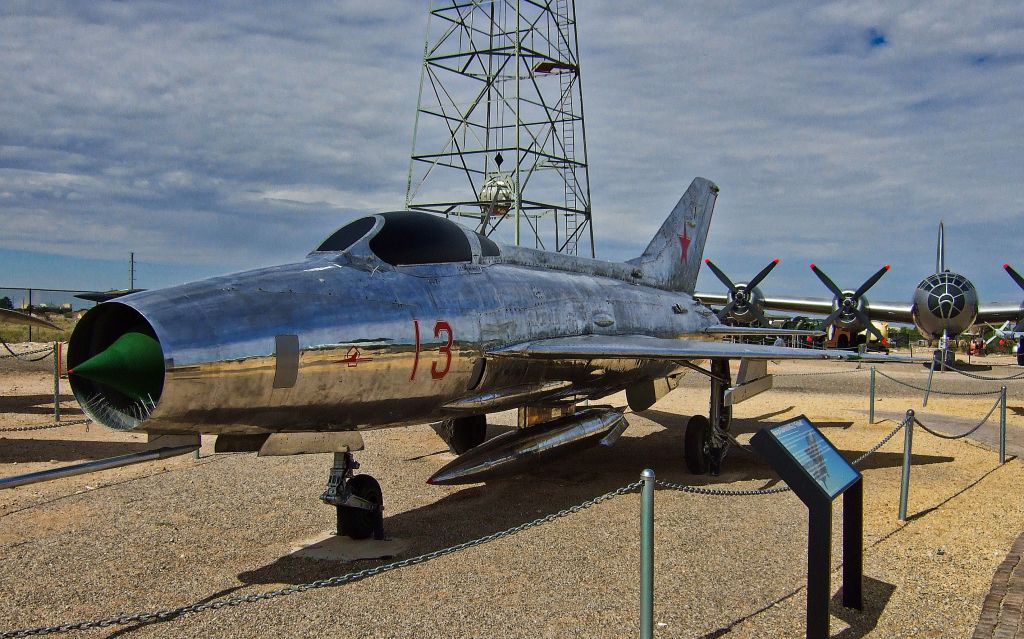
(358,499)
(707,440)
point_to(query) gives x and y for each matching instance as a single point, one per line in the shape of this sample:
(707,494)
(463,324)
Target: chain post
(908,439)
(928,390)
(1002,426)
(647,555)
(871,407)
(56,382)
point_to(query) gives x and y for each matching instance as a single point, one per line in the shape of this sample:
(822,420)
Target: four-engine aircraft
(944,304)
(402,318)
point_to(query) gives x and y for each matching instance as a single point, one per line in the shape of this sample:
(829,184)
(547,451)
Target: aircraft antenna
(499,135)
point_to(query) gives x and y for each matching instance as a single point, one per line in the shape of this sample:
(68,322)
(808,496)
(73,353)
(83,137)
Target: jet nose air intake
(132,365)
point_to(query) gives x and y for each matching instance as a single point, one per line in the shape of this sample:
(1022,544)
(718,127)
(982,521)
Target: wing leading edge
(645,347)
(14,317)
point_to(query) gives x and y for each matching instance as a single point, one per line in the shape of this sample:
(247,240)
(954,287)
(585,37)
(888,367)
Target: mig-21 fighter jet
(404,318)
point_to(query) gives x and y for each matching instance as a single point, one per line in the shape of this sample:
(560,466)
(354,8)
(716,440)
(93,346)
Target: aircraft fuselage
(331,343)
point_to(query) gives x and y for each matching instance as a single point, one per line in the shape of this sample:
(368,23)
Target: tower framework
(499,135)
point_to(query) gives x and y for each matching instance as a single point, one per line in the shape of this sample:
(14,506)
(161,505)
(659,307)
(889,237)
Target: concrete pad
(330,547)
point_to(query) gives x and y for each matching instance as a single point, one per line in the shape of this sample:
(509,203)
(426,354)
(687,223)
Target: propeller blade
(827,281)
(1015,275)
(870,282)
(866,321)
(760,316)
(722,277)
(724,313)
(763,274)
(828,321)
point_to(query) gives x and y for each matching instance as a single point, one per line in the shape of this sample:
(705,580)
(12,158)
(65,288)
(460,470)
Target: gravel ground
(181,531)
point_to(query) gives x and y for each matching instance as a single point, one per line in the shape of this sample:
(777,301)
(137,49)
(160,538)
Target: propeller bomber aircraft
(403,318)
(944,304)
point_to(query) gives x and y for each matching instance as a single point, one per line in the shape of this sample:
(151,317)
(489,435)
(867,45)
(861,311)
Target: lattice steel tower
(499,133)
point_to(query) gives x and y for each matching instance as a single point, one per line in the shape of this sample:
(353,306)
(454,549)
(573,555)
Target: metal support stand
(871,406)
(56,382)
(819,569)
(853,546)
(647,555)
(1002,426)
(908,444)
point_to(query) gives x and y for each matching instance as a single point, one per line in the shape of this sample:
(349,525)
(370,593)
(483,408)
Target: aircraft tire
(359,523)
(464,433)
(695,444)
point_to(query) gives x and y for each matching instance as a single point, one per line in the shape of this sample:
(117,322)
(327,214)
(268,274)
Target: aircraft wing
(1000,312)
(879,311)
(14,317)
(644,347)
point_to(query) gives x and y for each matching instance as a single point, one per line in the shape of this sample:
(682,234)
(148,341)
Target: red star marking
(684,242)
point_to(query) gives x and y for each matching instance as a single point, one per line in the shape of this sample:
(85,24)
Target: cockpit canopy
(410,237)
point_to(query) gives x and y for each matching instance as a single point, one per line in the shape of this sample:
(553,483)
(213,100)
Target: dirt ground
(182,531)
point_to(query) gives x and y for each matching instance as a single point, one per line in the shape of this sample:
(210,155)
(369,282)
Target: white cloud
(165,128)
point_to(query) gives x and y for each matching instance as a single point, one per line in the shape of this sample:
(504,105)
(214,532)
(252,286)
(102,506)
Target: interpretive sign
(816,455)
(808,462)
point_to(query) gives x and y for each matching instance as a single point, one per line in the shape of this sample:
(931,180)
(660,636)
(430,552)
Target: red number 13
(445,349)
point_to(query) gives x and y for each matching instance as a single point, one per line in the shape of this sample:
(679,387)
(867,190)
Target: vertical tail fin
(674,255)
(940,251)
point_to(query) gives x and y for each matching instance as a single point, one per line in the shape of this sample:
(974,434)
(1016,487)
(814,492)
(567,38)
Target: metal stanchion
(908,439)
(647,555)
(1002,426)
(929,389)
(871,407)
(56,382)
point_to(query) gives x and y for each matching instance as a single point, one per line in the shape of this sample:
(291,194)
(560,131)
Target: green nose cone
(133,365)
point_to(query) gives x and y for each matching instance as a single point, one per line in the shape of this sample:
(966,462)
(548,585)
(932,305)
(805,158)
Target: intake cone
(132,365)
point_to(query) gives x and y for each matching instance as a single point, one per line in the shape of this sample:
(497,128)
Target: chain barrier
(22,429)
(938,392)
(874,449)
(1018,376)
(216,604)
(23,357)
(970,432)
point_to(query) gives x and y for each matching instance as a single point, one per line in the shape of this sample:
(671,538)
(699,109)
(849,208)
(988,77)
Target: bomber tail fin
(674,256)
(940,251)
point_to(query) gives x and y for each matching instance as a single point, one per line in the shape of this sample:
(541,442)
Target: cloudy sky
(211,138)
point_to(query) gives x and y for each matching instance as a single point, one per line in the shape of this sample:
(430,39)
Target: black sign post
(808,462)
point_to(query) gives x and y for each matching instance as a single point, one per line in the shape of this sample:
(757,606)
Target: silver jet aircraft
(404,318)
(944,304)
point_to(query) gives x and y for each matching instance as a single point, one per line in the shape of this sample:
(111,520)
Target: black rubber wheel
(359,523)
(843,342)
(696,444)
(464,433)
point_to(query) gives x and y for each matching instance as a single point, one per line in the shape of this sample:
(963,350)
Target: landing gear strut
(358,499)
(707,440)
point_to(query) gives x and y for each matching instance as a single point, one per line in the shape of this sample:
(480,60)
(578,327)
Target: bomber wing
(1000,311)
(645,347)
(882,311)
(14,317)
